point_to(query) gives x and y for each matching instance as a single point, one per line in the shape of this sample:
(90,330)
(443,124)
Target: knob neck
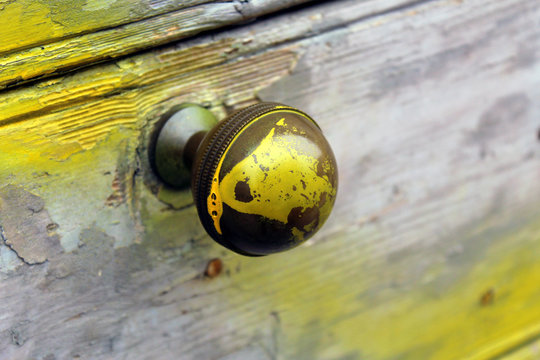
(190,149)
(180,134)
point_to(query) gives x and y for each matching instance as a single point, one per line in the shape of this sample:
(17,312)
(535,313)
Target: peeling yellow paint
(33,21)
(28,20)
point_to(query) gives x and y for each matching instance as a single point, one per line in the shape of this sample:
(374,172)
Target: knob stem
(182,130)
(190,149)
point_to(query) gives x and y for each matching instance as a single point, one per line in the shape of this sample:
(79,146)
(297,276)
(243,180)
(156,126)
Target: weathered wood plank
(28,23)
(89,34)
(433,250)
(61,38)
(175,62)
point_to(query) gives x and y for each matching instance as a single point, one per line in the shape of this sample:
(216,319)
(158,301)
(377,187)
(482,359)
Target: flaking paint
(281,175)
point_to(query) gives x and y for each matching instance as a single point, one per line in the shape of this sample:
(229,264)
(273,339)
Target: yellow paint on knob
(281,174)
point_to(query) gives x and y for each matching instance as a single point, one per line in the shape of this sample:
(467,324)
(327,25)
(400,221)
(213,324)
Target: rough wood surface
(50,38)
(433,250)
(41,38)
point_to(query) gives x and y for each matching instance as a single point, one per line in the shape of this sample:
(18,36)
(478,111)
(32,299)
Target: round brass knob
(264,180)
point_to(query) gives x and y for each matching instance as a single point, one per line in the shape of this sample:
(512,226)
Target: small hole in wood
(213,268)
(488,297)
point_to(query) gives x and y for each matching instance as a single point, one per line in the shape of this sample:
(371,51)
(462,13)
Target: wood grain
(432,251)
(51,38)
(62,38)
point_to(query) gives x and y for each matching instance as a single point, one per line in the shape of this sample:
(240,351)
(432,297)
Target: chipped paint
(76,190)
(49,38)
(26,226)
(9,260)
(82,138)
(274,181)
(285,178)
(276,173)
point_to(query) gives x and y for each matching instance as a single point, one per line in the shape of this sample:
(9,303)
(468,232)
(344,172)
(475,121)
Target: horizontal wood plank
(27,23)
(433,249)
(49,39)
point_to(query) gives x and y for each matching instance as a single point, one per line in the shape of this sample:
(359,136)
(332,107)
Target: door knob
(264,179)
